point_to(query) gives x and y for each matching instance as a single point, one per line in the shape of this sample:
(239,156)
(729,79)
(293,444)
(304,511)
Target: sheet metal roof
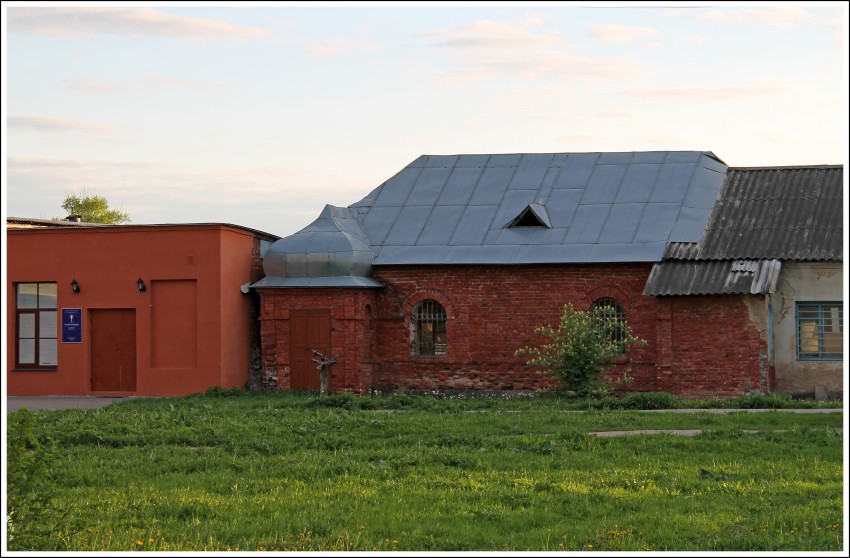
(594,207)
(764,215)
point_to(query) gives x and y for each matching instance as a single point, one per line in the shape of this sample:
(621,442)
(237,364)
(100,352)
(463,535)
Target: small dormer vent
(534,215)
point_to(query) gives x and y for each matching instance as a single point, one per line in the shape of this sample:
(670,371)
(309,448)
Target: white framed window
(36,326)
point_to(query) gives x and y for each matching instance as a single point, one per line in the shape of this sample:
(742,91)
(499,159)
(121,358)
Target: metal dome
(331,246)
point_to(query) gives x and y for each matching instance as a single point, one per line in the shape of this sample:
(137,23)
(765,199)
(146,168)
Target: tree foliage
(93,209)
(581,348)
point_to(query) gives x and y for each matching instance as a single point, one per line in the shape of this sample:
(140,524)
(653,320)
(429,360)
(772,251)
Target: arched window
(429,328)
(609,309)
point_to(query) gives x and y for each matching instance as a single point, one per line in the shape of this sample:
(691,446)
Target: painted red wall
(699,346)
(214,260)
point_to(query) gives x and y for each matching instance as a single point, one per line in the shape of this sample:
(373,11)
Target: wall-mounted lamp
(141,285)
(75,286)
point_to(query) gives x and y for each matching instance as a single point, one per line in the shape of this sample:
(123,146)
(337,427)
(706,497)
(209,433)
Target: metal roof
(713,277)
(764,215)
(789,213)
(332,246)
(592,207)
(318,282)
(15,222)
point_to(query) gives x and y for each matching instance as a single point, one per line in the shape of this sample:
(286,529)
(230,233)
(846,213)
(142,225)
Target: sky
(259,114)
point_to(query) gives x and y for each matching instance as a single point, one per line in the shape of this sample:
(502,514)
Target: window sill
(53,369)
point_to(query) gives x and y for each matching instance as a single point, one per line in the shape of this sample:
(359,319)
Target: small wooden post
(324,367)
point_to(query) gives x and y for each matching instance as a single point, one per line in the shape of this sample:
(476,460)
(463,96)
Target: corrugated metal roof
(713,277)
(789,213)
(594,207)
(763,215)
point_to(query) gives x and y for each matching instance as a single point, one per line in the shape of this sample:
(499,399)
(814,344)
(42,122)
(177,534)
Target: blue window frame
(820,331)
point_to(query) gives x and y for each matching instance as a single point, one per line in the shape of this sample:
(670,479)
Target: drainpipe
(770,362)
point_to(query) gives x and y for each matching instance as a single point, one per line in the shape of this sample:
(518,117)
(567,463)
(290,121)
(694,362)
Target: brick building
(433,280)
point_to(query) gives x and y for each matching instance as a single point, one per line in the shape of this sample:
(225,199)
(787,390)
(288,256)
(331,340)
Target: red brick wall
(352,317)
(695,345)
(491,312)
(714,348)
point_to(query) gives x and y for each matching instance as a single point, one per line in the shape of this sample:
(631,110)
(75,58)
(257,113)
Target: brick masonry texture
(695,345)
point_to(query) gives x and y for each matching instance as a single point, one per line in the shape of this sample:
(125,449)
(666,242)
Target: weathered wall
(711,346)
(491,312)
(352,334)
(696,346)
(804,282)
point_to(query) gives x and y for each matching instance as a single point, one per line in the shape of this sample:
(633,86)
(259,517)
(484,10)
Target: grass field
(290,471)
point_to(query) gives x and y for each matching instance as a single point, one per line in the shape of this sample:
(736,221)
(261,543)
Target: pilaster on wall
(664,336)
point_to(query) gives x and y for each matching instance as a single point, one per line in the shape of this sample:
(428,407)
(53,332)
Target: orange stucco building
(131,309)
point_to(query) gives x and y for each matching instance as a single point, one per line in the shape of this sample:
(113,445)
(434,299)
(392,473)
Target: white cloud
(336,47)
(53,124)
(485,49)
(779,17)
(688,39)
(730,93)
(621,33)
(87,85)
(185,82)
(79,21)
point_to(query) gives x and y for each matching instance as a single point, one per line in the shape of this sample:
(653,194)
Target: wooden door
(309,330)
(113,349)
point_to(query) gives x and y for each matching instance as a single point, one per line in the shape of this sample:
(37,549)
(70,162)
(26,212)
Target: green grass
(290,471)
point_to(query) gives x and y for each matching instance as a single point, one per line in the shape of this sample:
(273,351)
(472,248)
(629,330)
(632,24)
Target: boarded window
(429,328)
(820,331)
(36,328)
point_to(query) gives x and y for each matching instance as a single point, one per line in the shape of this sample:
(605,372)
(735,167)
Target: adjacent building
(130,309)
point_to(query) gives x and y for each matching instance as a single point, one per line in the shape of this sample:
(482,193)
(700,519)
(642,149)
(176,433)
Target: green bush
(581,348)
(218,391)
(342,399)
(648,400)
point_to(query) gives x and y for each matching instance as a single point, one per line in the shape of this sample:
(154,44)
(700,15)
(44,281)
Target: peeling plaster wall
(804,282)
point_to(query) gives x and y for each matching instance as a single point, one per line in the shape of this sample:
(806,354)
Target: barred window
(429,328)
(609,309)
(36,325)
(820,331)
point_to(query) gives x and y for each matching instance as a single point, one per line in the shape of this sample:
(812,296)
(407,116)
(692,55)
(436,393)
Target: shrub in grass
(581,348)
(218,391)
(650,400)
(342,399)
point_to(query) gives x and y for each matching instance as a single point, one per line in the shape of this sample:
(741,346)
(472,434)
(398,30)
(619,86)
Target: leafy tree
(93,209)
(581,348)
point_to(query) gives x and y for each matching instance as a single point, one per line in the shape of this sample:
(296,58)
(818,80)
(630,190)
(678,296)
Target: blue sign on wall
(72,325)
